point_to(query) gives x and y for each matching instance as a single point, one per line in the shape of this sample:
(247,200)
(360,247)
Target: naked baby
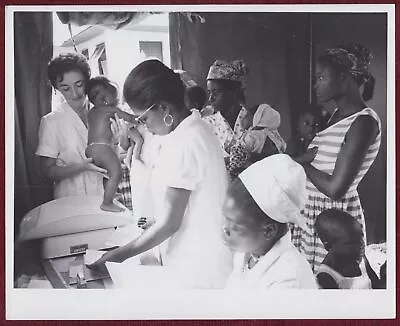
(104,95)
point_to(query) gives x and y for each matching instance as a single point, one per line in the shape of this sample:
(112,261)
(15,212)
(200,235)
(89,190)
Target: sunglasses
(139,118)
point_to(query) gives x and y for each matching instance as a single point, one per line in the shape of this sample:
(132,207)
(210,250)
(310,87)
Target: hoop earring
(170,122)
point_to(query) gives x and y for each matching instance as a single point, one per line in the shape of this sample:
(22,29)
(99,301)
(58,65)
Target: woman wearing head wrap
(340,155)
(257,211)
(225,87)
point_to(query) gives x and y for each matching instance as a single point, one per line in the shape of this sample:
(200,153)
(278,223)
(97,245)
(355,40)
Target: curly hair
(103,81)
(67,62)
(152,81)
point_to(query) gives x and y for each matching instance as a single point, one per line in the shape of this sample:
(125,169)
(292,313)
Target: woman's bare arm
(350,158)
(176,202)
(52,171)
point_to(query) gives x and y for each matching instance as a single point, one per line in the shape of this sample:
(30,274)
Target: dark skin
(343,248)
(102,154)
(224,100)
(343,90)
(176,199)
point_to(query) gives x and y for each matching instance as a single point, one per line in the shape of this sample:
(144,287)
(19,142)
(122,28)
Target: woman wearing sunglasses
(188,182)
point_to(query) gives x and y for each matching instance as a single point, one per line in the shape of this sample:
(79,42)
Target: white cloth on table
(191,159)
(63,136)
(283,267)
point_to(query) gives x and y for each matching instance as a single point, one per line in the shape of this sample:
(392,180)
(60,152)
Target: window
(151,49)
(100,55)
(85,52)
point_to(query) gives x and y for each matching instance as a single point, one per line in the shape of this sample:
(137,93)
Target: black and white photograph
(243,165)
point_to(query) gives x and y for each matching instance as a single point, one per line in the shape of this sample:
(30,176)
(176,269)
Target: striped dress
(329,143)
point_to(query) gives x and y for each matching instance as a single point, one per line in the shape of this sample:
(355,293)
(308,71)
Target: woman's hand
(308,156)
(111,256)
(50,169)
(134,134)
(87,165)
(119,128)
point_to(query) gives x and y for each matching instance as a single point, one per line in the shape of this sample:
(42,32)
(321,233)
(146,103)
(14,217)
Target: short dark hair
(67,62)
(245,202)
(152,81)
(100,80)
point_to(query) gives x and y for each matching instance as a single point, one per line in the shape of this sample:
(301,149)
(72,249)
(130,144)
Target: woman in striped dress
(339,156)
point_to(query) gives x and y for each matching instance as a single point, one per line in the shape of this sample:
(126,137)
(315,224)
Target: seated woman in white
(259,204)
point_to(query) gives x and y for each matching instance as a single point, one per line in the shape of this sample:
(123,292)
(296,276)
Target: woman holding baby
(63,133)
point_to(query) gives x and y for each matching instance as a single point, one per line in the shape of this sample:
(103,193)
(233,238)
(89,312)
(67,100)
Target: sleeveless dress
(329,143)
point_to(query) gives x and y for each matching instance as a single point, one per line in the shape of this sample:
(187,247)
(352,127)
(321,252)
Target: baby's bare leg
(105,157)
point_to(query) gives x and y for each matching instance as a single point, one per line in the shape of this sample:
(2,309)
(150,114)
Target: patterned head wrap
(228,70)
(356,61)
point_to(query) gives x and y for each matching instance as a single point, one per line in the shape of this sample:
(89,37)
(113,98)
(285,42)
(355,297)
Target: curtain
(33,48)
(113,20)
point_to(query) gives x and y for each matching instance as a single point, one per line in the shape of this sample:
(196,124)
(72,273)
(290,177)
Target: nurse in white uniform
(188,183)
(63,133)
(259,204)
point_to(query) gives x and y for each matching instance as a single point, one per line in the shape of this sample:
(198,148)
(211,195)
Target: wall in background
(275,47)
(369,30)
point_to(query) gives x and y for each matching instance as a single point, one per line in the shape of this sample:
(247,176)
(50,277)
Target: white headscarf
(266,117)
(278,186)
(269,119)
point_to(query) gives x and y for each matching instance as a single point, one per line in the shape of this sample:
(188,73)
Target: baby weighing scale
(67,227)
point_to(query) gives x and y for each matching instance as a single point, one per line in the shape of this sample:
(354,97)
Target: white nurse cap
(278,186)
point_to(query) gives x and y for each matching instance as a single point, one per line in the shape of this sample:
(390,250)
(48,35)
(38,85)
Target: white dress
(140,173)
(63,136)
(283,267)
(191,158)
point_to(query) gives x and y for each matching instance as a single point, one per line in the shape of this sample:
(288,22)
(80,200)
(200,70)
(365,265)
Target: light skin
(72,87)
(176,199)
(342,89)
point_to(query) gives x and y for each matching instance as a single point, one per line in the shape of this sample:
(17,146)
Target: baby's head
(340,232)
(307,125)
(260,203)
(101,91)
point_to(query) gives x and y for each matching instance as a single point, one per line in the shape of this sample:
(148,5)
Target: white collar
(266,261)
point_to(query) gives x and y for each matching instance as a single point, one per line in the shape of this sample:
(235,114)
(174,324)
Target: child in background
(196,97)
(306,128)
(345,266)
(260,139)
(104,96)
